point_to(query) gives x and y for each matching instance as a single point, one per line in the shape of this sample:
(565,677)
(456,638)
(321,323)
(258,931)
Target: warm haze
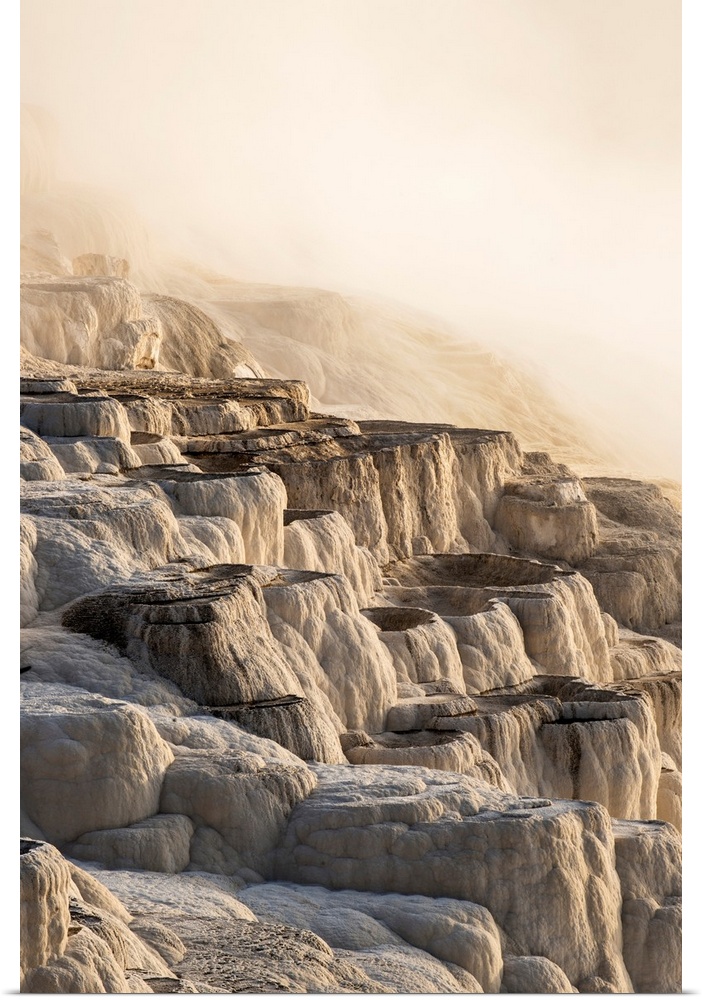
(511,168)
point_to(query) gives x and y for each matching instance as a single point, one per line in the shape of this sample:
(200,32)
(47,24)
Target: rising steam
(511,168)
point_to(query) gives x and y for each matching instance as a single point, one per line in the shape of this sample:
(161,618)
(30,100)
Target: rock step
(302,433)
(168,405)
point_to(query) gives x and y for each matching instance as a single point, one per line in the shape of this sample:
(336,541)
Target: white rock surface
(638,655)
(607,753)
(491,648)
(322,541)
(317,622)
(434,860)
(37,460)
(557,611)
(422,646)
(409,829)
(90,534)
(457,752)
(103,456)
(254,501)
(69,415)
(239,803)
(534,974)
(198,732)
(204,630)
(45,885)
(75,934)
(547,517)
(87,763)
(450,930)
(95,320)
(159,844)
(57,655)
(649,868)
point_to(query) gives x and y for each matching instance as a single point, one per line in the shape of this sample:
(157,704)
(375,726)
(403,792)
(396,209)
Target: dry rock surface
(321,705)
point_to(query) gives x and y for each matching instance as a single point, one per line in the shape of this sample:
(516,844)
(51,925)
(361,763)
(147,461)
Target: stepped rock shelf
(317,705)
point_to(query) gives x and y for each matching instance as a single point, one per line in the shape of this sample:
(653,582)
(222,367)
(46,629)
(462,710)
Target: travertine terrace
(314,704)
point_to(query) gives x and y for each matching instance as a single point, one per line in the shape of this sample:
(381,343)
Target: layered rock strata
(350,706)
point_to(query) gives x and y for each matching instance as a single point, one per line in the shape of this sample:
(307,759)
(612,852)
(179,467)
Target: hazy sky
(510,165)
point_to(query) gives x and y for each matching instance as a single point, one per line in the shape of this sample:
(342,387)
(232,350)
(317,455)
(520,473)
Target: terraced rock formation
(321,705)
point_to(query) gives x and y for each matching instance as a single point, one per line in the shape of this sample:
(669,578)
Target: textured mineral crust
(321,704)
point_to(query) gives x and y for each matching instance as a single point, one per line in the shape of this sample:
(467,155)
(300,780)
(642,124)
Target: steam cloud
(511,167)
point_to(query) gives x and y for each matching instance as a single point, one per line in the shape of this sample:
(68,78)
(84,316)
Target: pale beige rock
(422,646)
(649,869)
(387,480)
(637,581)
(95,320)
(611,632)
(69,945)
(452,931)
(486,461)
(457,752)
(416,488)
(212,540)
(570,739)
(92,264)
(205,630)
(37,460)
(292,722)
(403,969)
(254,501)
(409,829)
(557,611)
(238,802)
(636,571)
(28,829)
(29,599)
(102,456)
(50,653)
(58,415)
(605,758)
(197,732)
(90,534)
(86,966)
(45,887)
(174,899)
(160,844)
(130,951)
(323,542)
(317,622)
(349,485)
(491,648)
(641,655)
(95,894)
(156,449)
(669,804)
(543,870)
(163,940)
(39,377)
(534,974)
(563,629)
(509,728)
(665,692)
(219,423)
(200,418)
(419,713)
(86,762)
(147,414)
(231,956)
(548,517)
